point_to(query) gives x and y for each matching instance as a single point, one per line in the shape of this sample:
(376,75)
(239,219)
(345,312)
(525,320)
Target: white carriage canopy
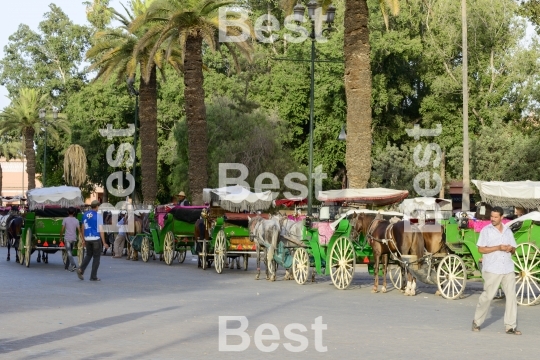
(512,193)
(64,196)
(237,198)
(375,196)
(533,215)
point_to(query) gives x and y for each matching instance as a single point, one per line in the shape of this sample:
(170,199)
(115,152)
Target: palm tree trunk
(149,137)
(358,93)
(195,118)
(30,157)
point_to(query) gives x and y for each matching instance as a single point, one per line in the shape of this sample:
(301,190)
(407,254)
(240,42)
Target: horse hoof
(437,293)
(257,277)
(374,291)
(7,259)
(383,290)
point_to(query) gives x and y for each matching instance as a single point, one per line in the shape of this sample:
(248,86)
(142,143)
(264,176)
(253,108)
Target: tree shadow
(72,331)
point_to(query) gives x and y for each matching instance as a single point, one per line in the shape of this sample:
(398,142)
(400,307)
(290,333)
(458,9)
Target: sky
(30,12)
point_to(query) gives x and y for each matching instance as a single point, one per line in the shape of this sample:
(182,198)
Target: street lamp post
(134,92)
(43,118)
(299,11)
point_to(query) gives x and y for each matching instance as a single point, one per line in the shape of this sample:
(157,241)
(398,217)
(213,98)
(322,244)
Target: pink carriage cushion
(296,218)
(478,225)
(325,232)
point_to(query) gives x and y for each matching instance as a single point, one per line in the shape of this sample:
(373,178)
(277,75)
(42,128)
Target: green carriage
(332,246)
(460,261)
(227,221)
(43,221)
(171,233)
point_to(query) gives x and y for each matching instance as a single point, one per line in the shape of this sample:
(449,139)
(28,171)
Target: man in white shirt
(497,244)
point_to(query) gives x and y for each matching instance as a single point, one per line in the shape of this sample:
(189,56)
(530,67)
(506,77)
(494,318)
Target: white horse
(289,229)
(266,234)
(3,231)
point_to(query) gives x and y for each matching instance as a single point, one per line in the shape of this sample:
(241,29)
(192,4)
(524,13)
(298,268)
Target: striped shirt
(497,262)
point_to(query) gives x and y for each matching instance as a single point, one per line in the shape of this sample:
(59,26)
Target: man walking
(92,230)
(497,244)
(69,233)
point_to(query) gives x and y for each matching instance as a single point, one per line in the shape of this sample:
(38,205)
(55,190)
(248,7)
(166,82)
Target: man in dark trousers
(92,230)
(496,243)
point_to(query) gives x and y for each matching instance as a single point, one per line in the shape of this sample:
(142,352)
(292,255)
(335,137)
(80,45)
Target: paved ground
(153,311)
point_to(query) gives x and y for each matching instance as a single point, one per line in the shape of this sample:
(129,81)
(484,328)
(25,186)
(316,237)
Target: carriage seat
(189,214)
(478,225)
(52,211)
(325,232)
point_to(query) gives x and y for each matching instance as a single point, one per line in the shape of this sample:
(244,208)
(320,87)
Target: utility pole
(465,201)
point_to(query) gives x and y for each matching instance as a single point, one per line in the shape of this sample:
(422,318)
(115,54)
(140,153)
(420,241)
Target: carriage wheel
(182,254)
(28,247)
(21,256)
(342,263)
(396,276)
(145,249)
(204,258)
(246,257)
(168,248)
(451,277)
(526,263)
(80,252)
(220,251)
(300,266)
(64,256)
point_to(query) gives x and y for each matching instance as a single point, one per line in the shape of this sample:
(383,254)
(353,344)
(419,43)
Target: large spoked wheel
(168,248)
(182,255)
(204,257)
(451,277)
(21,256)
(220,251)
(28,247)
(300,266)
(342,263)
(527,269)
(395,273)
(145,249)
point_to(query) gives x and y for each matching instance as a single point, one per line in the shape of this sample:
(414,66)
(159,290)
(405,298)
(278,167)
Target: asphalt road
(153,311)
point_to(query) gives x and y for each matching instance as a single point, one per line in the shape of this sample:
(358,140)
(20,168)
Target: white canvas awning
(533,215)
(63,196)
(512,193)
(237,198)
(376,196)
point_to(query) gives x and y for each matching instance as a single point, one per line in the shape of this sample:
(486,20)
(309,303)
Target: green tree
(51,59)
(22,117)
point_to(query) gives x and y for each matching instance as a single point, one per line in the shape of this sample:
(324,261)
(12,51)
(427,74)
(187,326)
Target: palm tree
(189,23)
(113,54)
(358,87)
(22,117)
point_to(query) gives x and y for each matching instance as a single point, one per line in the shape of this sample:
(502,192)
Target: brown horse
(390,239)
(14,231)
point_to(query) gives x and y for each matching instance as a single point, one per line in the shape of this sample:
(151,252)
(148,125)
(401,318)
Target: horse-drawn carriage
(451,257)
(172,232)
(461,239)
(227,221)
(43,222)
(332,242)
